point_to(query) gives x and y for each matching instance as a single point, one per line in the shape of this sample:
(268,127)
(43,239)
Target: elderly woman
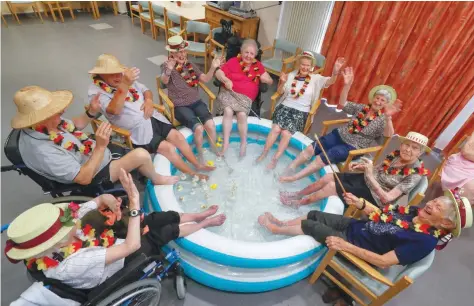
(182,78)
(241,76)
(79,256)
(300,89)
(369,123)
(396,176)
(128,104)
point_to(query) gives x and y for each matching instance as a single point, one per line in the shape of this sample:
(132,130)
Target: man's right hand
(130,76)
(170,63)
(102,135)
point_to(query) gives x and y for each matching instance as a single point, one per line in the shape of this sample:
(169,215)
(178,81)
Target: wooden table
(245,28)
(188,10)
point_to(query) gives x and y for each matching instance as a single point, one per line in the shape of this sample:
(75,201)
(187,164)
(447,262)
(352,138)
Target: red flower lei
(303,88)
(362,120)
(405,171)
(190,77)
(87,144)
(106,239)
(387,217)
(105,87)
(248,70)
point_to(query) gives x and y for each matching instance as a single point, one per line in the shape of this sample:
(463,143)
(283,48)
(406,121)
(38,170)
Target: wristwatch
(135,212)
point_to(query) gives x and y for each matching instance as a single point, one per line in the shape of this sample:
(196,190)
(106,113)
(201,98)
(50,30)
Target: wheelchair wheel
(180,284)
(143,292)
(75,199)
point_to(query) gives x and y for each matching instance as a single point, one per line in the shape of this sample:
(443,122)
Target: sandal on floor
(331,295)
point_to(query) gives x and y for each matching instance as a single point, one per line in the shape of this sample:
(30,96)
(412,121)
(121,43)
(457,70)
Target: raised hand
(283,77)
(94,106)
(393,108)
(102,135)
(217,62)
(170,63)
(130,75)
(112,203)
(348,75)
(130,188)
(340,61)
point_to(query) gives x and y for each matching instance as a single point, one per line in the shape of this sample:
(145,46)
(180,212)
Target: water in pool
(243,195)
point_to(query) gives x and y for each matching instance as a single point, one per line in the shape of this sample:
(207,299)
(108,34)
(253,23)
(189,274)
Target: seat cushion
(174,30)
(273,64)
(145,15)
(135,7)
(216,53)
(159,21)
(196,47)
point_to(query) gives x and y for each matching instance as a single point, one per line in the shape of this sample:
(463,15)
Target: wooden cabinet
(245,28)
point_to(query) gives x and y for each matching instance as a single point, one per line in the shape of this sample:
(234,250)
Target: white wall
(269,18)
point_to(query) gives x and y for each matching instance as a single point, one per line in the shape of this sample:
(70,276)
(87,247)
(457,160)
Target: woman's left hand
(217,62)
(147,109)
(338,64)
(393,108)
(336,243)
(94,106)
(367,165)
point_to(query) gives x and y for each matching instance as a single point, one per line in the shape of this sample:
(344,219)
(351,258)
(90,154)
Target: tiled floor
(101,26)
(58,56)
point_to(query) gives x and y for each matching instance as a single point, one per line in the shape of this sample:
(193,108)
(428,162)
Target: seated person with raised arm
(299,89)
(396,176)
(182,78)
(57,149)
(128,104)
(369,123)
(80,256)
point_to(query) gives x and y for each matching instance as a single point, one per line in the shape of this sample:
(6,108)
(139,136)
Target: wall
(269,18)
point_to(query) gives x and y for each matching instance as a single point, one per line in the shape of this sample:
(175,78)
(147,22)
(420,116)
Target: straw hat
(176,43)
(418,138)
(107,64)
(35,104)
(308,55)
(391,91)
(463,212)
(36,230)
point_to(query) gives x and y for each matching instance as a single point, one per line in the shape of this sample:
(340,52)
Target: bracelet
(364,204)
(89,114)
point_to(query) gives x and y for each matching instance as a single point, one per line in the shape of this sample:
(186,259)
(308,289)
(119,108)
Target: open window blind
(305,22)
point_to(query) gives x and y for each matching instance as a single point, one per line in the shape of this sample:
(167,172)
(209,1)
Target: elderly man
(128,104)
(396,176)
(56,148)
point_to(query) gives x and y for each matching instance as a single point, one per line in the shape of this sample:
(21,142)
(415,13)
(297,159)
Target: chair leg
(4,21)
(96,7)
(52,12)
(114,6)
(322,266)
(13,11)
(142,26)
(60,11)
(205,63)
(71,11)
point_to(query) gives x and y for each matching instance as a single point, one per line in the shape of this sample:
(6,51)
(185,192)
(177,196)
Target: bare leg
(293,229)
(305,155)
(284,141)
(288,198)
(326,191)
(168,150)
(243,127)
(210,128)
(139,159)
(198,139)
(310,169)
(198,217)
(272,137)
(177,139)
(227,127)
(188,229)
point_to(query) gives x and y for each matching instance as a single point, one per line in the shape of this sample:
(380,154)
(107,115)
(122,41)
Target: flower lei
(247,70)
(87,144)
(105,87)
(106,239)
(387,217)
(362,120)
(405,171)
(303,88)
(190,77)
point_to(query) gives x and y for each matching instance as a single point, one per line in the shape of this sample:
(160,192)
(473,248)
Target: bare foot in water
(215,221)
(272,164)
(274,220)
(165,180)
(207,213)
(261,157)
(243,149)
(289,195)
(204,167)
(263,220)
(221,153)
(286,179)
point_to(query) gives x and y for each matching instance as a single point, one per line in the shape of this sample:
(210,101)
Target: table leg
(71,11)
(115,7)
(96,9)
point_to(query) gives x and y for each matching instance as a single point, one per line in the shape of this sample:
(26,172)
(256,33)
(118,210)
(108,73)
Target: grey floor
(58,56)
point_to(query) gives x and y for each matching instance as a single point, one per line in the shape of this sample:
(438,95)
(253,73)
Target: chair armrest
(159,108)
(264,49)
(359,152)
(417,199)
(328,123)
(289,60)
(165,98)
(180,33)
(364,266)
(217,44)
(117,130)
(274,97)
(207,39)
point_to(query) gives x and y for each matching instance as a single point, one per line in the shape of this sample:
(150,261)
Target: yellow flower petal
(213,186)
(210,163)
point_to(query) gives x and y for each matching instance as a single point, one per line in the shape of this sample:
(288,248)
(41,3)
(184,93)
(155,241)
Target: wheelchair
(137,283)
(55,189)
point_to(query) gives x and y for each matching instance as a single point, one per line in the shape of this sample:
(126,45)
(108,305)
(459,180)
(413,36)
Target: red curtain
(425,50)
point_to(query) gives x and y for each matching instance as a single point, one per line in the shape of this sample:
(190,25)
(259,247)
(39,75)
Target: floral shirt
(370,133)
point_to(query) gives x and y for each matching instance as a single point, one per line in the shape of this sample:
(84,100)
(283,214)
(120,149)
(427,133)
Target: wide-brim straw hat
(35,104)
(418,138)
(307,54)
(463,212)
(391,91)
(176,43)
(107,64)
(37,230)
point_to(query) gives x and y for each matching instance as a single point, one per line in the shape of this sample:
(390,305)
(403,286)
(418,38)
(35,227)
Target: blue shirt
(381,238)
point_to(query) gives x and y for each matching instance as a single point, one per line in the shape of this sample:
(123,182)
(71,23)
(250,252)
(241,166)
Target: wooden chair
(173,24)
(158,20)
(195,47)
(3,18)
(146,15)
(436,175)
(13,5)
(134,10)
(312,112)
(275,65)
(58,6)
(168,106)
(215,48)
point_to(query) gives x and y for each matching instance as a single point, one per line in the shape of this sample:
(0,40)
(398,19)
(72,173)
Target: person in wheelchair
(128,104)
(182,78)
(241,77)
(51,239)
(57,149)
(370,122)
(299,89)
(397,175)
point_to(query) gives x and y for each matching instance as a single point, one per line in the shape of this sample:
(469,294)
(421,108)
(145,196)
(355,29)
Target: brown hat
(107,64)
(35,104)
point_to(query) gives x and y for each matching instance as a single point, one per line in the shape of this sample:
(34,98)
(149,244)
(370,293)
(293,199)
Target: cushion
(159,21)
(174,30)
(196,47)
(145,15)
(135,7)
(273,64)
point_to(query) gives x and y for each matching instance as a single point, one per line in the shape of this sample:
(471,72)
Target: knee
(210,124)
(140,154)
(228,111)
(166,147)
(241,116)
(276,129)
(199,129)
(286,133)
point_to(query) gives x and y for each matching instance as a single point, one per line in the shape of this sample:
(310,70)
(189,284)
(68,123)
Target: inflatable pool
(238,265)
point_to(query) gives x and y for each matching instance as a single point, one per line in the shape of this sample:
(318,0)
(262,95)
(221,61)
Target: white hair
(385,93)
(249,43)
(450,212)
